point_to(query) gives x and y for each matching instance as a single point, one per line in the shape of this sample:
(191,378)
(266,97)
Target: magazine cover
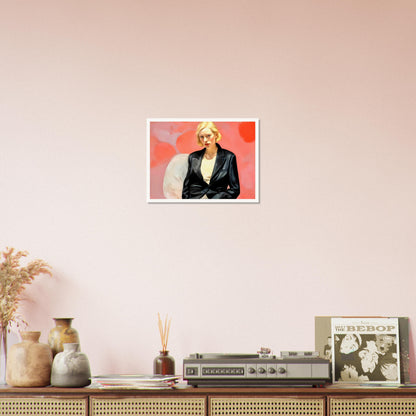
(365,350)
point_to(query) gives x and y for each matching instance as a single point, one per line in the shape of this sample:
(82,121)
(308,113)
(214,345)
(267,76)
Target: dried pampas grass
(13,280)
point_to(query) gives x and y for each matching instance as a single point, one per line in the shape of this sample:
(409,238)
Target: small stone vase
(62,334)
(70,368)
(29,362)
(164,364)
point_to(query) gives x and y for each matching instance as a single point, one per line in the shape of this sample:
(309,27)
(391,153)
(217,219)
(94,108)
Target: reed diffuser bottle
(164,364)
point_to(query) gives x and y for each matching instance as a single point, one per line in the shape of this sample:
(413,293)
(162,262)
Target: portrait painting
(202,160)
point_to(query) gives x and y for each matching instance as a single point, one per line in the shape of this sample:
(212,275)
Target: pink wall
(333,84)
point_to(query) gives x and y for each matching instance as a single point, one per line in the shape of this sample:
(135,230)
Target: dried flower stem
(13,280)
(164,331)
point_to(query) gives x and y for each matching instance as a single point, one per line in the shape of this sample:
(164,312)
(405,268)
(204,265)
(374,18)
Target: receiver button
(191,371)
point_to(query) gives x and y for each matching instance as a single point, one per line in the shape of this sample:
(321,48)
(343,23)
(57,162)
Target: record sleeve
(323,341)
(365,350)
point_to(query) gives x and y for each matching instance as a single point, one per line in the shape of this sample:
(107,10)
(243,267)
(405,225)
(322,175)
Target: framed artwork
(202,160)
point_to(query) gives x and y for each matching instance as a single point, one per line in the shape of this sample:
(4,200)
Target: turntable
(262,369)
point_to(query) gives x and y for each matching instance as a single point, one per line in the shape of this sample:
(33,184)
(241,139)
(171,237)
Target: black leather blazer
(224,183)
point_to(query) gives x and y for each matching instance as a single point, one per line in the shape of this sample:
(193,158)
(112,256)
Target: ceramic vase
(164,364)
(29,362)
(61,334)
(70,368)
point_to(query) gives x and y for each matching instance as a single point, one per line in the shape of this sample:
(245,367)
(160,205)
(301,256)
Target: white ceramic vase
(70,368)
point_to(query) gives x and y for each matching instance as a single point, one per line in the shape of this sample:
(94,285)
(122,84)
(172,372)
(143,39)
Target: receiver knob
(251,370)
(261,370)
(281,370)
(272,370)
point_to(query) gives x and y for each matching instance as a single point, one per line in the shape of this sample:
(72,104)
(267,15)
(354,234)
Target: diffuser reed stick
(164,331)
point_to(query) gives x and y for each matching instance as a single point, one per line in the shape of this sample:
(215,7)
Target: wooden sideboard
(190,401)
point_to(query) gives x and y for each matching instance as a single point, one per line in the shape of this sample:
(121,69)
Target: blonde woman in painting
(212,172)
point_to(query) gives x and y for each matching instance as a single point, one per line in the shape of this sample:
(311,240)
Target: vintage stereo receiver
(291,368)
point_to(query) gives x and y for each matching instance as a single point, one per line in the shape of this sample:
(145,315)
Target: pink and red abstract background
(169,138)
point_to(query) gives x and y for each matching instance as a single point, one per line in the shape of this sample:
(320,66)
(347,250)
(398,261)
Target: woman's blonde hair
(207,125)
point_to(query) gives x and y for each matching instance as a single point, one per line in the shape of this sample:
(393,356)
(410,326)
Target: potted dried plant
(164,364)
(14,278)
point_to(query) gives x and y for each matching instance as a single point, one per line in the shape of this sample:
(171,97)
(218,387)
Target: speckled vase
(70,368)
(61,334)
(29,362)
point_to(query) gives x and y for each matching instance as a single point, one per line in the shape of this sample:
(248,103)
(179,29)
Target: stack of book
(118,381)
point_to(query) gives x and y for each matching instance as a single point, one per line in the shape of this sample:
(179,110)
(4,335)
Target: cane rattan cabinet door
(150,406)
(386,406)
(266,406)
(43,406)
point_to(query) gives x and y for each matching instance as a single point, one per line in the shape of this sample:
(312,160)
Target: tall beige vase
(61,334)
(29,362)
